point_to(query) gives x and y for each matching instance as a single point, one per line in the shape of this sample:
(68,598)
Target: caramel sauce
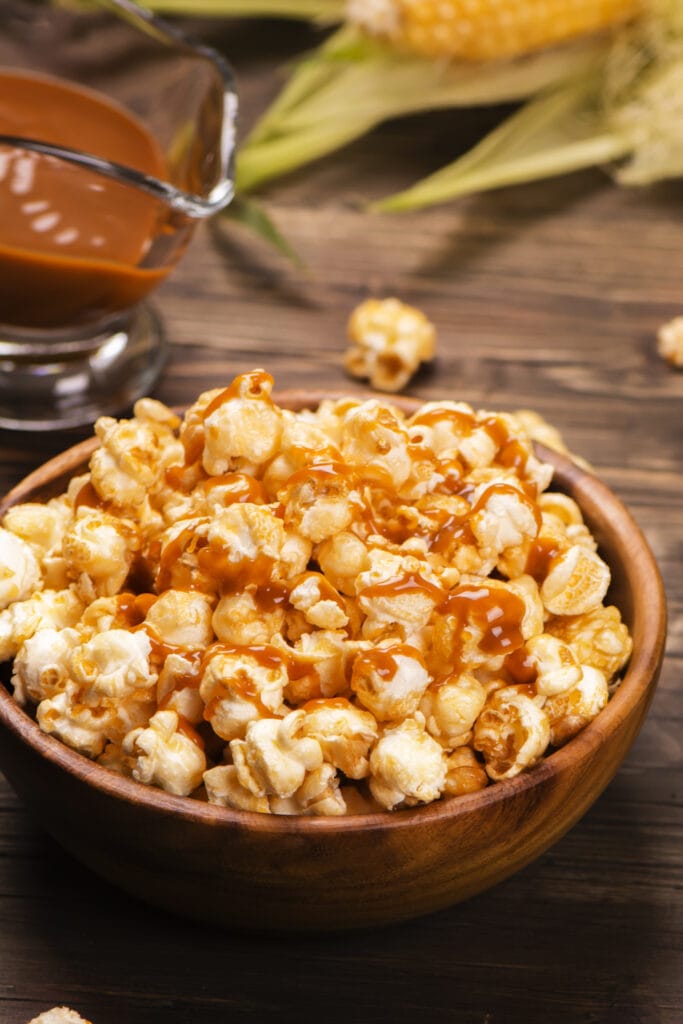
(271,596)
(520,667)
(88,497)
(133,608)
(186,729)
(461,421)
(185,540)
(382,660)
(515,492)
(410,583)
(496,612)
(74,243)
(542,553)
(452,533)
(233,576)
(236,488)
(259,386)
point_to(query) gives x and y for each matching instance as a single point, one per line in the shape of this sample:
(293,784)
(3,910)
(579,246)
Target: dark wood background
(547,296)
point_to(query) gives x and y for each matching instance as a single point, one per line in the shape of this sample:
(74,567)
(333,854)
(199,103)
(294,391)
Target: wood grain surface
(547,296)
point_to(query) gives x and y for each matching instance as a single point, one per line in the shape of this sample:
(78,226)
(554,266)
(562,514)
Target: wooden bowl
(252,871)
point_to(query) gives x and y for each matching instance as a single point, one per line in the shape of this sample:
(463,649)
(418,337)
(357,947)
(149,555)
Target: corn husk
(352,83)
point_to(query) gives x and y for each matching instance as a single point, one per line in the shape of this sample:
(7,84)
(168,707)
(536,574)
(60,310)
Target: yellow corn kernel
(486,29)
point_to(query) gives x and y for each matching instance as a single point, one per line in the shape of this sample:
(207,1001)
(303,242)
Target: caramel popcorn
(342,610)
(59,1015)
(670,341)
(388,342)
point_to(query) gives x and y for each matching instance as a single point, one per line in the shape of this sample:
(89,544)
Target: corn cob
(485,29)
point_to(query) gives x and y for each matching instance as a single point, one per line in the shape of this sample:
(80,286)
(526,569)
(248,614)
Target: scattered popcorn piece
(512,733)
(389,341)
(166,755)
(670,341)
(59,1015)
(333,611)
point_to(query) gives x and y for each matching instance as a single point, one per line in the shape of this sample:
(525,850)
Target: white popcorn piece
(243,427)
(397,591)
(42,666)
(577,582)
(44,609)
(166,756)
(451,706)
(302,443)
(244,619)
(503,517)
(181,618)
(178,687)
(41,526)
(19,570)
(315,597)
(321,500)
(407,766)
(129,463)
(275,755)
(345,734)
(319,793)
(113,665)
(390,681)
(100,547)
(224,788)
(243,544)
(570,711)
(86,729)
(512,733)
(342,558)
(598,638)
(241,685)
(389,340)
(556,666)
(375,436)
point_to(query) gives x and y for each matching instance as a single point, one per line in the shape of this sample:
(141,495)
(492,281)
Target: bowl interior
(636,589)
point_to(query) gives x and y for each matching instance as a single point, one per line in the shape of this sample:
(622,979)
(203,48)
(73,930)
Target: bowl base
(60,384)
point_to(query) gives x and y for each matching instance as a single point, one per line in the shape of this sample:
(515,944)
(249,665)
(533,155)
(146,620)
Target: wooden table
(547,296)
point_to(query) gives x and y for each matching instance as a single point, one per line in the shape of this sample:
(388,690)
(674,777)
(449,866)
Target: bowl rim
(638,682)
